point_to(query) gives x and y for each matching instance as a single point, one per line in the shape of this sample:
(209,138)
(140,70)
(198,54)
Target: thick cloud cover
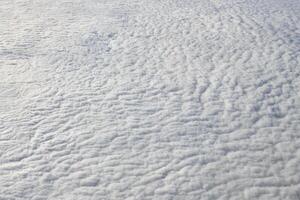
(149,99)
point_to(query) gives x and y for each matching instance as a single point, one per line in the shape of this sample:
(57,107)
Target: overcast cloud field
(149,99)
